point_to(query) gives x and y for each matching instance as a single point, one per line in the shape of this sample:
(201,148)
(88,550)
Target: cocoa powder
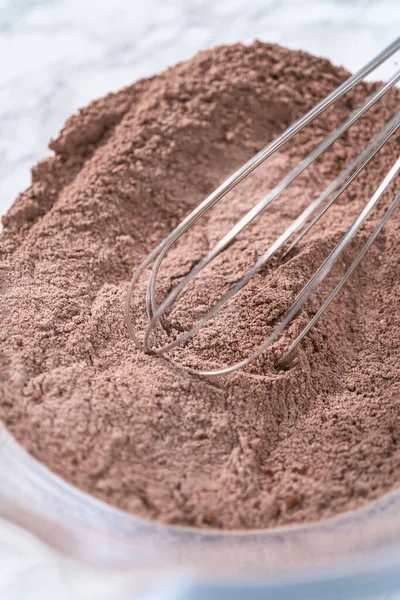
(260,448)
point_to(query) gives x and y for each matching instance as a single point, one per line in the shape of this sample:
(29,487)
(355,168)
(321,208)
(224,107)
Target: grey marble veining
(57,55)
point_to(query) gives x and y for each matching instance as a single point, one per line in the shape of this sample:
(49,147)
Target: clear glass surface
(355,553)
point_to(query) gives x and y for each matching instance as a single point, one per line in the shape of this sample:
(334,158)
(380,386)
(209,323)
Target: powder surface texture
(266,446)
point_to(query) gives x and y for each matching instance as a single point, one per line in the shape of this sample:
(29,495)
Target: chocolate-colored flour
(259,448)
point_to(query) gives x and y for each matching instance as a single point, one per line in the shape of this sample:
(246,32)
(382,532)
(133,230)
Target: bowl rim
(90,531)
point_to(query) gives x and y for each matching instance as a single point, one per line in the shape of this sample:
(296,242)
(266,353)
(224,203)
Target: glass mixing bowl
(354,555)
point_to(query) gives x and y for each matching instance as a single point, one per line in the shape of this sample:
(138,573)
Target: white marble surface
(59,54)
(56,55)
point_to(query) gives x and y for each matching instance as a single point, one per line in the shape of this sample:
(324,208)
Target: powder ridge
(260,448)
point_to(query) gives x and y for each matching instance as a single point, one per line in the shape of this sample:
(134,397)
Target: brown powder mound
(260,448)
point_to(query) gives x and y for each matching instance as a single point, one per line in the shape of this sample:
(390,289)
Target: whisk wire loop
(155,314)
(299,228)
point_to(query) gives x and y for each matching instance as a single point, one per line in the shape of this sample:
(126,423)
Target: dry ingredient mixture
(266,446)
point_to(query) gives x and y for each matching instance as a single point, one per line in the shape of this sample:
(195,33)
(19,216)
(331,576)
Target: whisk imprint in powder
(297,230)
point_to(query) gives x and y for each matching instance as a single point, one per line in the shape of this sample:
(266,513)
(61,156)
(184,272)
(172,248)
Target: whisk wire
(376,144)
(299,228)
(343,280)
(306,291)
(245,170)
(228,238)
(152,312)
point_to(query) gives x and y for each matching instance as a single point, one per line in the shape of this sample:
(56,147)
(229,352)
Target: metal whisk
(299,227)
